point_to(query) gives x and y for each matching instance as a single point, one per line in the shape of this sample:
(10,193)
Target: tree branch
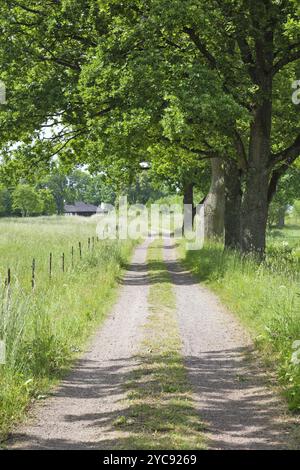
(28,9)
(288,49)
(276,175)
(247,57)
(201,46)
(103,112)
(62,134)
(60,61)
(204,154)
(288,59)
(240,149)
(287,155)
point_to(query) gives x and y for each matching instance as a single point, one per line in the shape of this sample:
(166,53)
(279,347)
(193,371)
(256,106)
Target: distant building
(80,208)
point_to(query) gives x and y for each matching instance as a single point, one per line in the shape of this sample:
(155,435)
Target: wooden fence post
(72,256)
(93,243)
(63,262)
(33,274)
(8,279)
(89,243)
(50,265)
(80,250)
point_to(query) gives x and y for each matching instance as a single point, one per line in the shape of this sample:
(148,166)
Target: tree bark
(189,209)
(233,202)
(255,198)
(255,211)
(214,204)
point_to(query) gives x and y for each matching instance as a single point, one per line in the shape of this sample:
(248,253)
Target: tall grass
(46,328)
(266,297)
(21,240)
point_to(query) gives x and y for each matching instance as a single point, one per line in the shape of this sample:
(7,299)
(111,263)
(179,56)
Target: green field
(266,297)
(45,328)
(21,240)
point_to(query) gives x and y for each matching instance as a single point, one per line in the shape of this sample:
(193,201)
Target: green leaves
(27,200)
(128,79)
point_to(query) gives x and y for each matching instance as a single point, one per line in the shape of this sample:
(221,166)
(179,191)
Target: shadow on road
(249,418)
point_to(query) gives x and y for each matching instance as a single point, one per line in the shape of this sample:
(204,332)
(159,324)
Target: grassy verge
(161,414)
(46,329)
(266,298)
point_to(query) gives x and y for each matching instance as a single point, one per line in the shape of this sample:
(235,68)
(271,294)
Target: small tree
(48,201)
(27,201)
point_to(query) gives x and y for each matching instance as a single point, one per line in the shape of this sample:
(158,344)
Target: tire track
(81,412)
(240,411)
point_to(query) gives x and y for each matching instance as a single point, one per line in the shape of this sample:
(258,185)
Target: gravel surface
(81,412)
(239,410)
(230,392)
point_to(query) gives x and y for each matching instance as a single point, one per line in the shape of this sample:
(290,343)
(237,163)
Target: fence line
(90,243)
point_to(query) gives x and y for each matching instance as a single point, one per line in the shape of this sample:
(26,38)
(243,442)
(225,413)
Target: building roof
(79,206)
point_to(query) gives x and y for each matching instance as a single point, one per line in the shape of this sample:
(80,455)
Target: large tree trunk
(189,209)
(214,204)
(233,202)
(255,200)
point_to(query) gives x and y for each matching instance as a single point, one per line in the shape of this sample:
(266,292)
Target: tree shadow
(209,263)
(156,389)
(137,274)
(156,408)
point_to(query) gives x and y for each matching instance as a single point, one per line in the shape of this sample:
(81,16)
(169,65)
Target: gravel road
(239,410)
(81,412)
(230,392)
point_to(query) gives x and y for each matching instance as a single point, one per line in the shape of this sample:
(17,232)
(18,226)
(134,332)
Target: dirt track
(239,411)
(81,412)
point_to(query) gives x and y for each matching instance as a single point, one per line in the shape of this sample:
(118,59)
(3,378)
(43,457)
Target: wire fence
(62,266)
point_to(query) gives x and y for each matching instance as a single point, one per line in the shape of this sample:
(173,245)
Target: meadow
(45,328)
(266,298)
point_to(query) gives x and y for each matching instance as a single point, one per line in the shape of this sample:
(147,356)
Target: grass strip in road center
(161,412)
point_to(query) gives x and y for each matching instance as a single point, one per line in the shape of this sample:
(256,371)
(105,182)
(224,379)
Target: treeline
(188,87)
(26,201)
(48,196)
